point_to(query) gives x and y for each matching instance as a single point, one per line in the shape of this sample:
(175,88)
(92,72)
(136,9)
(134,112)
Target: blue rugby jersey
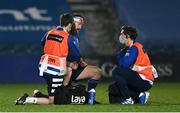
(74,50)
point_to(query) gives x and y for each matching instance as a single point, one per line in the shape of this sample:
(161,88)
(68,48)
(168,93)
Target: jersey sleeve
(43,40)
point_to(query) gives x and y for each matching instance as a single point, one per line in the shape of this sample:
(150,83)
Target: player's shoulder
(133,49)
(70,38)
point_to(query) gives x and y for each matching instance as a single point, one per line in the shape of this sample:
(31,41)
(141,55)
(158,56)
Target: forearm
(67,77)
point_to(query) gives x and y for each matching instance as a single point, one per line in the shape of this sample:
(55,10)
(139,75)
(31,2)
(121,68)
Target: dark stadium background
(24,22)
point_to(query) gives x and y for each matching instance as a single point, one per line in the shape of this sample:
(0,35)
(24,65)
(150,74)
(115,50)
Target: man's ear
(69,24)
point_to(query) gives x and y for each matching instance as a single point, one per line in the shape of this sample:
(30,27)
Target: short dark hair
(66,19)
(131,31)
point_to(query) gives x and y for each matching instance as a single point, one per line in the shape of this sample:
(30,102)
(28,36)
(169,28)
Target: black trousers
(129,83)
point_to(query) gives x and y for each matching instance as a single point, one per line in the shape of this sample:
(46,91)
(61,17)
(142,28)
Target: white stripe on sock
(57,79)
(31,100)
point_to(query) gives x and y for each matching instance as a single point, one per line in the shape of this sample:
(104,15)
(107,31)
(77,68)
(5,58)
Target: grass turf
(163,97)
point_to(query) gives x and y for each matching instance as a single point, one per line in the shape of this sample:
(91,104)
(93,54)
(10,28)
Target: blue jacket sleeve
(127,59)
(43,40)
(74,51)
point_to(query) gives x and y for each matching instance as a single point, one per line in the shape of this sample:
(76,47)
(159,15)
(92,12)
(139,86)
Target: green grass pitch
(163,97)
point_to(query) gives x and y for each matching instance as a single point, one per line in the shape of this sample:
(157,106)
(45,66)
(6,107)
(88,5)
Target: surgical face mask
(121,40)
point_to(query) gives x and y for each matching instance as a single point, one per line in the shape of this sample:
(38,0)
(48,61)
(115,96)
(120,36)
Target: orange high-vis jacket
(143,62)
(56,43)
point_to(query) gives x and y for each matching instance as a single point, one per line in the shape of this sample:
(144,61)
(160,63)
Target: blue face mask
(121,40)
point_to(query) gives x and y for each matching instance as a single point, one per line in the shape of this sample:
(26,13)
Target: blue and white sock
(92,84)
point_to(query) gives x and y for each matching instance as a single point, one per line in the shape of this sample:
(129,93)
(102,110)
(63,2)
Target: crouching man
(53,62)
(133,76)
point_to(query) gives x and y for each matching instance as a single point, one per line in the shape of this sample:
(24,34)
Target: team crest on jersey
(127,54)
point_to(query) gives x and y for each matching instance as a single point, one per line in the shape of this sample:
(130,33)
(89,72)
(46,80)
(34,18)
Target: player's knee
(97,73)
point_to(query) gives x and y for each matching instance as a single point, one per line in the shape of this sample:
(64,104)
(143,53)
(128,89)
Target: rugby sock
(92,84)
(31,100)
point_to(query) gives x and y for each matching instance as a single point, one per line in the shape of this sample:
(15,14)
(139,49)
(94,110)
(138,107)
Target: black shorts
(52,82)
(76,73)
